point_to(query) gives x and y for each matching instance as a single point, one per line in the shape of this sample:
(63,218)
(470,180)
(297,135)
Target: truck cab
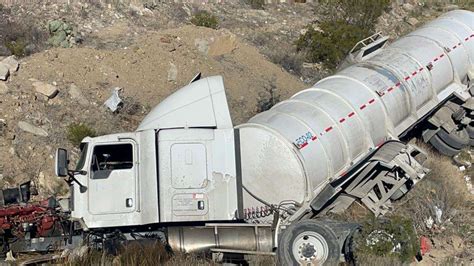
(178,166)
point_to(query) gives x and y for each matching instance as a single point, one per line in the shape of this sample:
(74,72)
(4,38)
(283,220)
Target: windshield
(82,156)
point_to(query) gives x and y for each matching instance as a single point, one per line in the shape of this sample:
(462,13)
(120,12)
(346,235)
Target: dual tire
(450,144)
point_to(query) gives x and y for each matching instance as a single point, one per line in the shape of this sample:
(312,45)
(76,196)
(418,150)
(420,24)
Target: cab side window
(108,158)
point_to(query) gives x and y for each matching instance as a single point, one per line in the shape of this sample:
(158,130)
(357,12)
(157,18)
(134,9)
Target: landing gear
(308,242)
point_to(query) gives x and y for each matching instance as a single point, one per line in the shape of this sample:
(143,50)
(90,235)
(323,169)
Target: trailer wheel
(308,242)
(457,139)
(442,147)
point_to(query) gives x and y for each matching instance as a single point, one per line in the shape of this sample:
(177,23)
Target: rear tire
(308,242)
(442,147)
(457,139)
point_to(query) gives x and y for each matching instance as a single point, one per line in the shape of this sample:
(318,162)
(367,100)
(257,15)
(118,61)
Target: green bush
(205,19)
(393,237)
(77,132)
(17,47)
(362,13)
(330,44)
(344,24)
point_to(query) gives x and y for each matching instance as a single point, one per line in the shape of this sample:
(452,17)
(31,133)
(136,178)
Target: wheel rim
(310,247)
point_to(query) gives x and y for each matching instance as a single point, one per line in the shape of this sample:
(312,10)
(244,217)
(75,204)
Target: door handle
(129,202)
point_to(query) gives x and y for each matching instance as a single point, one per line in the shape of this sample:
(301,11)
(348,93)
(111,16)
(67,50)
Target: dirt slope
(152,67)
(142,68)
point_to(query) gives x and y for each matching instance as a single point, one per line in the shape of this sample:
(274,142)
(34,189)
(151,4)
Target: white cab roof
(202,103)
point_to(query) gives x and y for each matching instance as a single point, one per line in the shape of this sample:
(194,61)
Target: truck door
(113,177)
(197,180)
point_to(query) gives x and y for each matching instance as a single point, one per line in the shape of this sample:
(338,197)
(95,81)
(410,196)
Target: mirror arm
(72,178)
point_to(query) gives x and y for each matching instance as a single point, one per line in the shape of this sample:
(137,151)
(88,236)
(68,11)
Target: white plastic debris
(9,256)
(470,188)
(438,213)
(462,168)
(113,103)
(429,222)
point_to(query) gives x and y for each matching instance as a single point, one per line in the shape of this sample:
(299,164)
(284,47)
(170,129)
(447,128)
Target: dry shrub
(372,260)
(268,97)
(147,253)
(260,260)
(205,19)
(23,38)
(134,254)
(443,188)
(187,260)
(77,132)
(345,23)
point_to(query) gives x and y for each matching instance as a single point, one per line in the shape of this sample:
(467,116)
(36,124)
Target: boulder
(61,33)
(223,45)
(4,72)
(27,127)
(46,89)
(11,63)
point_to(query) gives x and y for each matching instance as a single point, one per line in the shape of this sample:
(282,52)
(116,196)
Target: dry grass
(154,253)
(443,188)
(137,253)
(372,260)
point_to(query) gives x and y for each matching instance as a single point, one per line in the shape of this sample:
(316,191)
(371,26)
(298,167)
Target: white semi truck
(189,176)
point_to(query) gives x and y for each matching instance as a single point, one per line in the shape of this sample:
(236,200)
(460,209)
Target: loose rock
(412,21)
(223,45)
(46,89)
(61,33)
(11,63)
(3,88)
(32,129)
(76,94)
(4,72)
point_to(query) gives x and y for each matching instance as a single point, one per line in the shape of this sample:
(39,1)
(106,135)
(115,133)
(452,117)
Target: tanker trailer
(188,177)
(337,141)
